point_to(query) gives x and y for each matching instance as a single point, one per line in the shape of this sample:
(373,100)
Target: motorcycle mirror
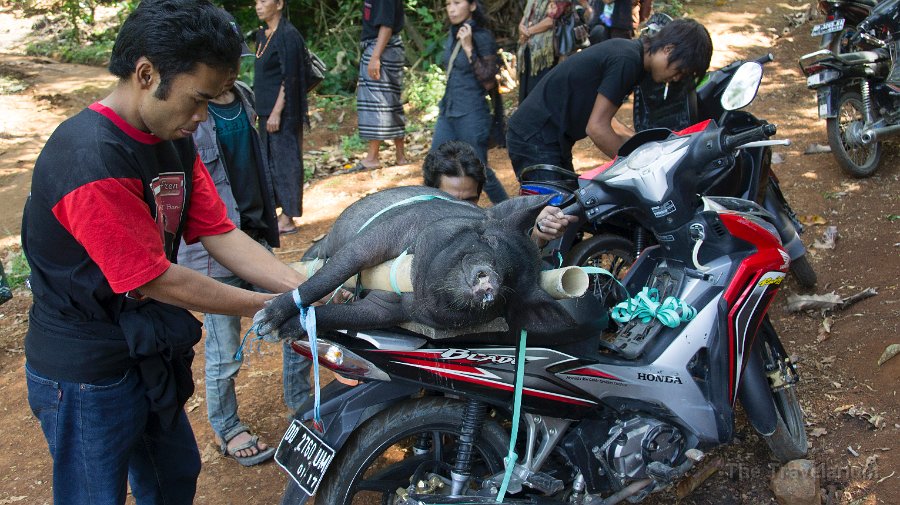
(742,88)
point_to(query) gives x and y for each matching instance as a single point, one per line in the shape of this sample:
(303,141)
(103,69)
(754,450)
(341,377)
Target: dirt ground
(851,403)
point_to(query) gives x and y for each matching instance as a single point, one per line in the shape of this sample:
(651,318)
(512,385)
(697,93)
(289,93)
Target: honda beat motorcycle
(614,244)
(859,92)
(606,414)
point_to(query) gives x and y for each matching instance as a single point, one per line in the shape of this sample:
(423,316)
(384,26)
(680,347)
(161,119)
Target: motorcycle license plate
(829,27)
(304,456)
(824,100)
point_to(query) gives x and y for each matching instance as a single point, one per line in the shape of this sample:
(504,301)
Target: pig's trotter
(276,312)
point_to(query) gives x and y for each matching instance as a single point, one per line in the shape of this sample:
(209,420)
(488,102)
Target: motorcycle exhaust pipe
(873,135)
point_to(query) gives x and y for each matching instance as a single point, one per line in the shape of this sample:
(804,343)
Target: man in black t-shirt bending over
(580,97)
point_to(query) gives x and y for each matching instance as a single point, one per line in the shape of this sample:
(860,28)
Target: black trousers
(282,150)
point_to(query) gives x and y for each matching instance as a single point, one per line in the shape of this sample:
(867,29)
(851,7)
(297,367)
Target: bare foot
(286,225)
(403,161)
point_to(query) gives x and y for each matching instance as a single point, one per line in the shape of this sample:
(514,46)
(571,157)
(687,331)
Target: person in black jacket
(279,83)
(470,57)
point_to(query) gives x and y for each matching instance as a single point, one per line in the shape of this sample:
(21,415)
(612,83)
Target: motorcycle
(841,20)
(858,93)
(615,244)
(606,416)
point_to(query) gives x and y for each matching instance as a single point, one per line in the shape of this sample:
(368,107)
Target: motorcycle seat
(859,57)
(590,315)
(865,3)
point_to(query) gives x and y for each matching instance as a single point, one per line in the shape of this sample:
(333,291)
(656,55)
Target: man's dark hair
(175,35)
(691,45)
(453,159)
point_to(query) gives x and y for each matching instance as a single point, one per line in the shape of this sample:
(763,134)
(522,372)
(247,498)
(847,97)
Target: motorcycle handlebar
(574,209)
(766,58)
(731,142)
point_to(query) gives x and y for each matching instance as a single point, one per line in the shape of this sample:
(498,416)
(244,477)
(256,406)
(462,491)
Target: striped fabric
(378,103)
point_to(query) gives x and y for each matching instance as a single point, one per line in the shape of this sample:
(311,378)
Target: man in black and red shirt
(116,187)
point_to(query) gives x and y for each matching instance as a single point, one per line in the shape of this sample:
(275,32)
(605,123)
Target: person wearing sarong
(280,87)
(378,103)
(537,47)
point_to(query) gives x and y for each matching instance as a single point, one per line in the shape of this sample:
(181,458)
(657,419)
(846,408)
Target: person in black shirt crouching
(580,97)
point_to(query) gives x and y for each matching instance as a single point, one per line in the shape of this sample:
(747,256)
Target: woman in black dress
(280,86)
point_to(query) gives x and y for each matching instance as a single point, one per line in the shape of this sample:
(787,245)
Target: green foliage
(96,53)
(425,89)
(674,8)
(18,270)
(10,85)
(352,145)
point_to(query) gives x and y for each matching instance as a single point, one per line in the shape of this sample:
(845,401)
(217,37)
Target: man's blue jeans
(100,434)
(474,129)
(223,337)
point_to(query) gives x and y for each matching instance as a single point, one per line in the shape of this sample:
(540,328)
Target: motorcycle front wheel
(611,252)
(387,450)
(788,441)
(844,131)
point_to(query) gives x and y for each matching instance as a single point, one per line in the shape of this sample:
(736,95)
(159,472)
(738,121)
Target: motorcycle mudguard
(755,396)
(786,230)
(343,409)
(827,101)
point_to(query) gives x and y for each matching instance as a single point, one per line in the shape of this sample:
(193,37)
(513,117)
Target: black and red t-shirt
(108,206)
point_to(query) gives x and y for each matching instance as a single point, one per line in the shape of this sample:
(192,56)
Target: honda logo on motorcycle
(652,377)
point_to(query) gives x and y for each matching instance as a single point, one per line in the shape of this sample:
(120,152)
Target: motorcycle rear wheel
(379,457)
(612,252)
(855,158)
(788,441)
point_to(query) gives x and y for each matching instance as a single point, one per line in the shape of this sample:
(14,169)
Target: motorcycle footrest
(544,483)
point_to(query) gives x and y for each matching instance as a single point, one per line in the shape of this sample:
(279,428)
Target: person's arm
(252,262)
(588,15)
(384,35)
(183,287)
(482,56)
(607,133)
(540,27)
(273,124)
(646,9)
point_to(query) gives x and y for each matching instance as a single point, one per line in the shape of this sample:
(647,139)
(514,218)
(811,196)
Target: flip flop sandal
(259,457)
(359,167)
(289,231)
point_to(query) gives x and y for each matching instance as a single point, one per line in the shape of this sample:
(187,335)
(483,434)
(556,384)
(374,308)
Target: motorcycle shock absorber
(640,239)
(867,102)
(473,419)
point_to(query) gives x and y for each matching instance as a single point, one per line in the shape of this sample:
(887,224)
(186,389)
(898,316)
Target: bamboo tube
(567,282)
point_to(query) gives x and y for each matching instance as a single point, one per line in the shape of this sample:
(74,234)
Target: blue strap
(408,201)
(646,306)
(511,457)
(239,354)
(310,327)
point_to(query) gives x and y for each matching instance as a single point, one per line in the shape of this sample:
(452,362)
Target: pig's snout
(484,286)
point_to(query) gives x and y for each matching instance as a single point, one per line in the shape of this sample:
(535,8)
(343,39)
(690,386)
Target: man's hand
(374,68)
(273,124)
(275,313)
(551,223)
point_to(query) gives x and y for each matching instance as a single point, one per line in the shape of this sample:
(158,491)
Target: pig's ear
(519,213)
(540,313)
